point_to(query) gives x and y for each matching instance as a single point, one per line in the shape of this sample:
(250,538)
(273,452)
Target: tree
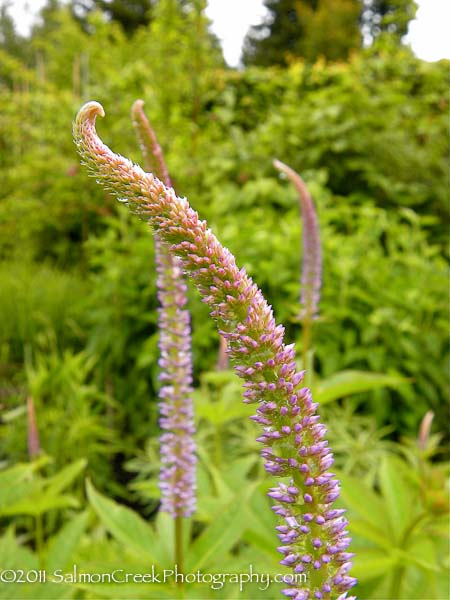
(387,16)
(131,14)
(10,40)
(329,28)
(304,28)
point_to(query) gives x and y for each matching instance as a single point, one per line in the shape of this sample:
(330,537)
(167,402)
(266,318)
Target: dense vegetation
(78,303)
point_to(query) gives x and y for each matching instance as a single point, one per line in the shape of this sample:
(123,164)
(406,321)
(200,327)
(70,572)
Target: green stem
(179,558)
(306,338)
(218,446)
(39,538)
(397,575)
(396,583)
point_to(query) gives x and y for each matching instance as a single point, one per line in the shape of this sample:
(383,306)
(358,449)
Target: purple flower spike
(177,475)
(312,255)
(246,320)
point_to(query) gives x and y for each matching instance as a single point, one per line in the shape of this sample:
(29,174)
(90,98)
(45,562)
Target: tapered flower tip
(90,111)
(293,176)
(137,107)
(84,132)
(279,165)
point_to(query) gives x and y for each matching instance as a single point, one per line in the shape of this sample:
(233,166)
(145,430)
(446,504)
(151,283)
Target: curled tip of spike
(279,165)
(138,105)
(298,182)
(293,176)
(91,110)
(85,134)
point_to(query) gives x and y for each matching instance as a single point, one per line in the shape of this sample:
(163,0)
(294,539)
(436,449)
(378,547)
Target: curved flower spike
(312,256)
(177,445)
(151,150)
(313,534)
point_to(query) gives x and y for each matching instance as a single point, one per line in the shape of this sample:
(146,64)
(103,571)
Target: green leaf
(221,535)
(221,406)
(65,477)
(346,383)
(34,496)
(423,553)
(219,488)
(39,503)
(124,524)
(219,378)
(411,558)
(369,564)
(164,525)
(369,531)
(17,557)
(165,530)
(400,498)
(62,546)
(362,501)
(261,523)
(16,482)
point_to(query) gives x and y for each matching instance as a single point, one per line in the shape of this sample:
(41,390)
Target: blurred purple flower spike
(177,445)
(312,255)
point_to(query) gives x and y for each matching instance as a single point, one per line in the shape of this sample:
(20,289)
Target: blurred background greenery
(367,127)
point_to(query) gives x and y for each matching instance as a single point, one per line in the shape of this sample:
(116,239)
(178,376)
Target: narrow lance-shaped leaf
(313,534)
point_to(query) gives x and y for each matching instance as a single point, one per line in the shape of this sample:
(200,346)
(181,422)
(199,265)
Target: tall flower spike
(312,256)
(313,534)
(177,446)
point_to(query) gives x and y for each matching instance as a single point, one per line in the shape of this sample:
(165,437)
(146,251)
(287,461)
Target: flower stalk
(313,534)
(311,279)
(177,445)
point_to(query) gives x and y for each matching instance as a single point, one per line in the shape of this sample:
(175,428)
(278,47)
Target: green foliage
(406,556)
(74,419)
(357,441)
(122,337)
(61,389)
(127,527)
(34,496)
(365,128)
(225,525)
(394,319)
(78,301)
(397,521)
(131,14)
(35,300)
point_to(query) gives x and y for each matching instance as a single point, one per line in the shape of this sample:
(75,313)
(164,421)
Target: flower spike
(177,445)
(312,255)
(313,537)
